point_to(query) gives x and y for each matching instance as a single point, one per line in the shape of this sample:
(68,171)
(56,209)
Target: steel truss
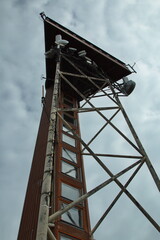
(140,157)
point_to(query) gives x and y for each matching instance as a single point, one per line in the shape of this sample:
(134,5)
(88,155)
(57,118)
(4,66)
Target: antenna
(43,15)
(72,50)
(82,53)
(60,43)
(127,86)
(42,98)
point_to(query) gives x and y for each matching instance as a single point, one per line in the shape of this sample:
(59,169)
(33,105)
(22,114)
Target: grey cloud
(126,30)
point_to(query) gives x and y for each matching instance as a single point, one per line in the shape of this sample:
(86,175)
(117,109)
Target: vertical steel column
(42,227)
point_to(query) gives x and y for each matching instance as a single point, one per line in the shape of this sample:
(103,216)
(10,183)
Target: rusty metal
(60,178)
(29,219)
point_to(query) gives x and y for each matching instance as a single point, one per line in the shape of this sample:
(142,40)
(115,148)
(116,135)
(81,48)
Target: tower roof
(111,66)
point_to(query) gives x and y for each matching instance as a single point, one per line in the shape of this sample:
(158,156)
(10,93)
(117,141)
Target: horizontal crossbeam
(113,155)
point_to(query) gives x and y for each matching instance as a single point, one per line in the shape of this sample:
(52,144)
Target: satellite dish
(59,41)
(127,86)
(58,38)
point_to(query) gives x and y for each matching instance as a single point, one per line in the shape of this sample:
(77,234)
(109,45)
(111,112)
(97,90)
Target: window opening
(69,155)
(70,192)
(67,130)
(71,141)
(69,170)
(72,216)
(66,237)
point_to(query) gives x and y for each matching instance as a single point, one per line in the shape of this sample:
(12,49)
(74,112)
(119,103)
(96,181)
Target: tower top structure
(89,58)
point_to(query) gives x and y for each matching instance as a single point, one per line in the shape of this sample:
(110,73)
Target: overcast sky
(129,30)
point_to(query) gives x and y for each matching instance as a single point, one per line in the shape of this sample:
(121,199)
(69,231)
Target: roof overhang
(114,68)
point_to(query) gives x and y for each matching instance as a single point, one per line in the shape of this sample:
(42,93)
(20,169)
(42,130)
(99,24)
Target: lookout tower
(77,71)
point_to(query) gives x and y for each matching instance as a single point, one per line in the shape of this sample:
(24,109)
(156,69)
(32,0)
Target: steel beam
(106,119)
(42,227)
(54,216)
(148,162)
(116,199)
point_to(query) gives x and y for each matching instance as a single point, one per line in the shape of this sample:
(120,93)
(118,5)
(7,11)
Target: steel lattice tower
(56,199)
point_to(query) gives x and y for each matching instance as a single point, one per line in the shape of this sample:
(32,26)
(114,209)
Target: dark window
(69,119)
(68,101)
(71,113)
(68,97)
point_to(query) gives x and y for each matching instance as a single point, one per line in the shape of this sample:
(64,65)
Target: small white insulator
(82,53)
